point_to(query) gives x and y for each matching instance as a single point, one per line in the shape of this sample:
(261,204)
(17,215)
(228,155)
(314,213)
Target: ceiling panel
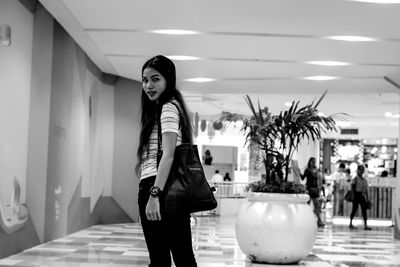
(253,47)
(317,17)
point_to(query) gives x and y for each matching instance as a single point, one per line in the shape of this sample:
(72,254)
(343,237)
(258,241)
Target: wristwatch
(155,191)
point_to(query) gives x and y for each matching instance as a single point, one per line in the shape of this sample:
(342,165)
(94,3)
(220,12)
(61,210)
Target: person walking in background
(340,178)
(207,157)
(359,185)
(314,187)
(217,177)
(163,235)
(227,178)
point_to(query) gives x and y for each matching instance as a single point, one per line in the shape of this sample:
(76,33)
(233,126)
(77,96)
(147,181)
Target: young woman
(163,235)
(314,187)
(359,185)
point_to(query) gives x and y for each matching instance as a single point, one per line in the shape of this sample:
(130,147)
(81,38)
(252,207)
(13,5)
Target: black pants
(166,236)
(359,199)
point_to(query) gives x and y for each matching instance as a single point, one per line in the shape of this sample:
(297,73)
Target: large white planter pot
(276,228)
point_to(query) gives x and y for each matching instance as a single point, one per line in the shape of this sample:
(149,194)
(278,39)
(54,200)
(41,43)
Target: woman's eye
(155,79)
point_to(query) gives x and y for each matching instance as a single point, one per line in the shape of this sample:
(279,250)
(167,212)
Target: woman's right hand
(153,209)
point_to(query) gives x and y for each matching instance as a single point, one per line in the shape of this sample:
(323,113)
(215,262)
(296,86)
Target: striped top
(169,124)
(361,184)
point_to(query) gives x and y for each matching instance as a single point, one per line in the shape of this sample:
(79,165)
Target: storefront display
(379,157)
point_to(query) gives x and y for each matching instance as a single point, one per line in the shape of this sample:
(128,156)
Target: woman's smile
(153,83)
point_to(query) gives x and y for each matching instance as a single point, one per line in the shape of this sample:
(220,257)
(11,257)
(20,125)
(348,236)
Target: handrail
(230,189)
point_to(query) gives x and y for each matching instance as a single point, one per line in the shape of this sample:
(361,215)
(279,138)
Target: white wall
(222,154)
(15,82)
(39,115)
(127,131)
(80,145)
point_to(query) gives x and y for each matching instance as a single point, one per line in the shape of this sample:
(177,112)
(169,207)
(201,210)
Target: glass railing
(229,189)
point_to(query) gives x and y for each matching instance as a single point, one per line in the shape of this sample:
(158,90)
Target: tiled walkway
(215,246)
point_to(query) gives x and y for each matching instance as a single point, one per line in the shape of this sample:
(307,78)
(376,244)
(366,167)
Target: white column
(396,198)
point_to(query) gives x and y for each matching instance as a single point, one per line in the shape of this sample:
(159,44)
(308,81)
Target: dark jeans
(165,236)
(316,208)
(359,199)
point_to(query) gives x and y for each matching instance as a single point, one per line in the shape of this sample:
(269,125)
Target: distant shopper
(217,177)
(227,178)
(340,178)
(359,185)
(314,187)
(207,157)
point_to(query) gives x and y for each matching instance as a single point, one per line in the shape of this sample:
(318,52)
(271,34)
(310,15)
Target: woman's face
(313,163)
(360,170)
(153,83)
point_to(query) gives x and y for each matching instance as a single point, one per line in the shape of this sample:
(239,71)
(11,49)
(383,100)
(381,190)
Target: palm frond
(320,99)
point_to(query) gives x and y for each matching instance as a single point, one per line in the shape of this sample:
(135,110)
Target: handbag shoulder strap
(183,123)
(186,137)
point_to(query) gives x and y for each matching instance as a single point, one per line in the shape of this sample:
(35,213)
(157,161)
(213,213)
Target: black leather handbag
(349,196)
(187,189)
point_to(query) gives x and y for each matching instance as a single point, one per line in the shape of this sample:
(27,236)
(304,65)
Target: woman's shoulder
(170,107)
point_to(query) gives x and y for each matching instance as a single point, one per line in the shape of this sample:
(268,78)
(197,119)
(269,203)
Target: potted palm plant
(276,225)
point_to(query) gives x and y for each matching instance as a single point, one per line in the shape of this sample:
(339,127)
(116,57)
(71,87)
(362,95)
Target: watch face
(155,191)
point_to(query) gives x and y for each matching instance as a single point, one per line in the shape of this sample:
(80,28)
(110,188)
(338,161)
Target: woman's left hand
(153,209)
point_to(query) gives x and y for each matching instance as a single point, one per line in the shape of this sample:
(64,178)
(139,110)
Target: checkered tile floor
(215,246)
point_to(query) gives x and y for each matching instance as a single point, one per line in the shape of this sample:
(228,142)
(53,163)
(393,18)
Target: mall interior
(70,92)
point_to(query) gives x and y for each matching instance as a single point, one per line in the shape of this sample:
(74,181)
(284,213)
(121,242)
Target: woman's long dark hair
(151,110)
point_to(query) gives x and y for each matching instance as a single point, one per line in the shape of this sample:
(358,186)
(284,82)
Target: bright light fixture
(351,38)
(320,78)
(174,32)
(388,114)
(328,63)
(179,57)
(344,123)
(379,1)
(200,80)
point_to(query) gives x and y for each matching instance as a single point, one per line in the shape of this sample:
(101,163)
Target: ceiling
(256,47)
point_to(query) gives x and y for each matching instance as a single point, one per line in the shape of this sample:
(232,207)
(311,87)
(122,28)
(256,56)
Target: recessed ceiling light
(174,32)
(320,78)
(344,123)
(379,1)
(328,63)
(200,80)
(351,38)
(388,114)
(179,57)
